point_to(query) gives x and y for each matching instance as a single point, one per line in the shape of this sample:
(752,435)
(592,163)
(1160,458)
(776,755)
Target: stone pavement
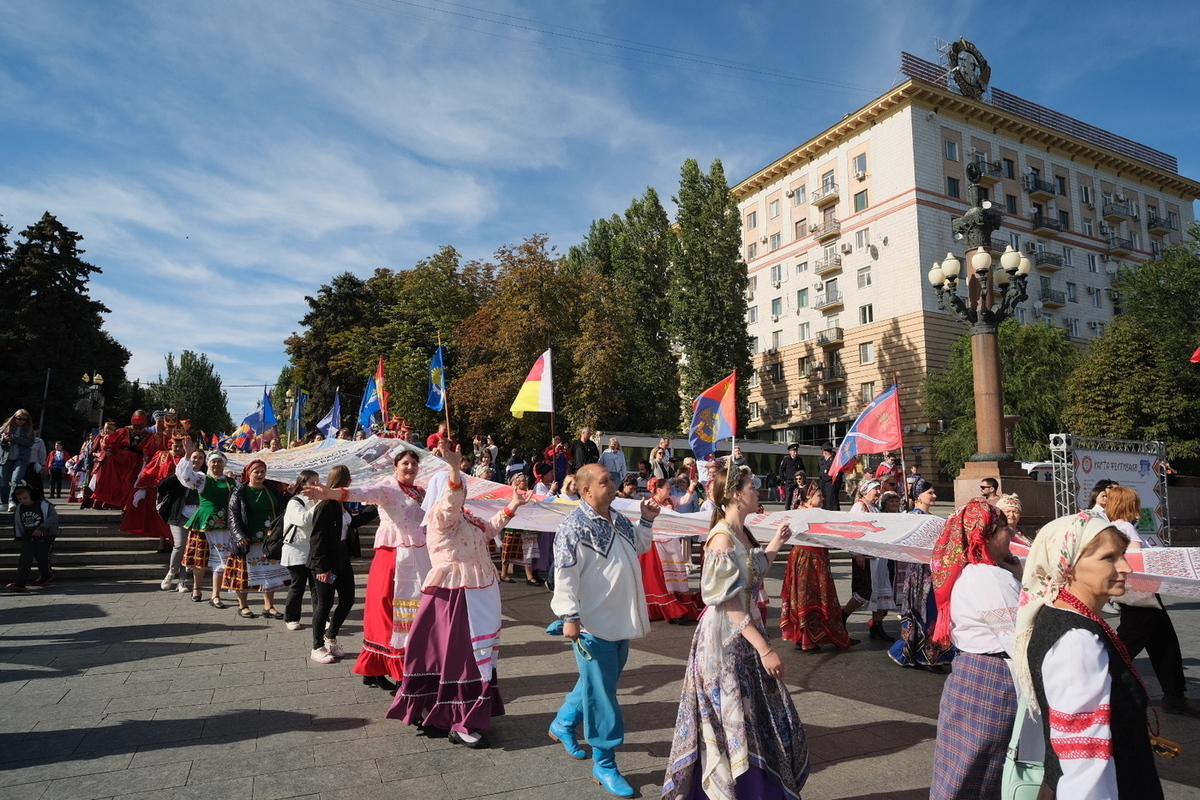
(122,690)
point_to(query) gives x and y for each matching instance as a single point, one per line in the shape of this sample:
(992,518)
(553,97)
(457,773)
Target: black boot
(379,682)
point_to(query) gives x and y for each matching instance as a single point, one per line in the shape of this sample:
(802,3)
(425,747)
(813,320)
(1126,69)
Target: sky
(224,159)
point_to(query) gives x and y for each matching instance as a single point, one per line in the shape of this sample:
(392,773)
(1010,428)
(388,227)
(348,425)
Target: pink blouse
(400,515)
(457,542)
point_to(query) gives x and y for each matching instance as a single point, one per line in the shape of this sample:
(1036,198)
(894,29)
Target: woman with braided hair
(976,586)
(810,614)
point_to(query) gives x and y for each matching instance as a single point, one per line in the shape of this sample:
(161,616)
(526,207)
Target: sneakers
(16,587)
(331,646)
(44,580)
(167,581)
(322,656)
(292,626)
(182,587)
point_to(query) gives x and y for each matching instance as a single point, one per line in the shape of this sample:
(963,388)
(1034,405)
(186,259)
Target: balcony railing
(1045,260)
(998,245)
(826,229)
(1035,185)
(828,263)
(828,299)
(989,171)
(826,194)
(1117,245)
(1161,225)
(1043,223)
(1053,297)
(830,374)
(1118,211)
(830,336)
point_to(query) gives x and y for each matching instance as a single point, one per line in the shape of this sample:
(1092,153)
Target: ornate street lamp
(993,293)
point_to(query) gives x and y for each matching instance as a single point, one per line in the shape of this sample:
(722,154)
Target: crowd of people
(1016,637)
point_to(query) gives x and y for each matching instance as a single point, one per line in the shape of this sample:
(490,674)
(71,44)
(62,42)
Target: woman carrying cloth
(208,528)
(252,511)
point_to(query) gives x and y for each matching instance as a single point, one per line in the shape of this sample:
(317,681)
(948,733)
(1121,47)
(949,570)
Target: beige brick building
(840,232)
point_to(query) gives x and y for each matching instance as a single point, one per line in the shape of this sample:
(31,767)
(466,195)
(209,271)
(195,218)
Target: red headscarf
(249,467)
(963,541)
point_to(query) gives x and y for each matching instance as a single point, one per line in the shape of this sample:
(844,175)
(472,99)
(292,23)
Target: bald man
(598,594)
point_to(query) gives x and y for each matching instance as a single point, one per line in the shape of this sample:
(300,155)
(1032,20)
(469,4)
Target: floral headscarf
(963,541)
(1009,502)
(1051,558)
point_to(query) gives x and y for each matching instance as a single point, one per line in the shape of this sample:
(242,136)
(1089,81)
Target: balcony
(1052,298)
(1045,226)
(830,337)
(1046,261)
(832,374)
(1161,225)
(827,264)
(989,172)
(1117,212)
(828,193)
(824,231)
(1119,247)
(1039,189)
(830,301)
(998,245)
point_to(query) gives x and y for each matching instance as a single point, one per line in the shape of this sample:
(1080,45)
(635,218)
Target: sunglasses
(985,488)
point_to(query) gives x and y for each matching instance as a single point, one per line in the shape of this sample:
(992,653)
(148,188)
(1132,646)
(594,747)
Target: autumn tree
(1034,360)
(708,285)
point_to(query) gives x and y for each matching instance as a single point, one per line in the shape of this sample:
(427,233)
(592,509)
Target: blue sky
(223,159)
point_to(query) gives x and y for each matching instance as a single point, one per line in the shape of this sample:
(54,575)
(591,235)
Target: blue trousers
(593,701)
(11,473)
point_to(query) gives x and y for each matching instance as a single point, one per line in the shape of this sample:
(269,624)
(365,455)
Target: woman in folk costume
(141,516)
(208,528)
(1073,667)
(397,573)
(253,509)
(976,586)
(810,614)
(450,668)
(737,734)
(915,646)
(125,453)
(870,578)
(664,566)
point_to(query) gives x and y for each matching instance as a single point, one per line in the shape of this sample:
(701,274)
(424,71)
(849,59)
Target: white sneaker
(167,581)
(182,587)
(292,626)
(331,646)
(322,656)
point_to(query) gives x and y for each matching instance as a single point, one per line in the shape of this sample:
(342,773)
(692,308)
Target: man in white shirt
(599,596)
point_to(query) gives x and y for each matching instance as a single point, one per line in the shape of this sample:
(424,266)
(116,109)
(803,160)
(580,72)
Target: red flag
(714,416)
(1195,359)
(383,395)
(876,430)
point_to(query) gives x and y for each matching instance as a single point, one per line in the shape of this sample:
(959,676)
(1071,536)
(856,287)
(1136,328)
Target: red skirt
(377,656)
(810,614)
(195,555)
(661,603)
(143,520)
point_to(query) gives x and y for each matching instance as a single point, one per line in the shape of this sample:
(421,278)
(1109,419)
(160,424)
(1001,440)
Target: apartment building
(840,232)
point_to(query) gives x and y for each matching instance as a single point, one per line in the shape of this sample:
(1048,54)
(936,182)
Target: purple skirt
(975,721)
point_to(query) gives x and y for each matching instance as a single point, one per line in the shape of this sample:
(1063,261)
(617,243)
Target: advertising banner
(1139,471)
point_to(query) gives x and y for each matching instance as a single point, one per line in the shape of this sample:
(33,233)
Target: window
(1068,256)
(1173,218)
(1156,247)
(1097,298)
(806,403)
(952,189)
(837,397)
(807,363)
(834,321)
(1046,319)
(1098,330)
(753,379)
(984,193)
(1085,193)
(754,412)
(801,266)
(1043,283)
(831,289)
(753,345)
(862,238)
(1010,203)
(860,162)
(866,314)
(802,298)
(1014,239)
(773,209)
(827,180)
(1060,183)
(776,342)
(866,353)
(866,392)
(752,284)
(776,273)
(804,332)
(864,277)
(951,150)
(1071,293)
(1136,239)
(1152,211)
(776,306)
(1071,326)
(1087,227)
(752,220)
(1064,219)
(1092,266)
(860,200)
(801,228)
(800,197)
(1010,168)
(751,251)
(776,241)
(751,315)
(1019,315)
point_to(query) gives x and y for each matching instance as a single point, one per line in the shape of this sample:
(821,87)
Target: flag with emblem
(876,430)
(437,381)
(714,417)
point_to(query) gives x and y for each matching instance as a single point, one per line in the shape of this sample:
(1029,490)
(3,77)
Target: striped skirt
(975,720)
(254,572)
(195,555)
(520,547)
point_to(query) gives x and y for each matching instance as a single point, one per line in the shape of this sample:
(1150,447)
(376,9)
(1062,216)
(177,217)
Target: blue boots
(564,733)
(605,773)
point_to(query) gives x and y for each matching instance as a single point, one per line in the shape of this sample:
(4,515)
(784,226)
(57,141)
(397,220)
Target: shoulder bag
(1022,779)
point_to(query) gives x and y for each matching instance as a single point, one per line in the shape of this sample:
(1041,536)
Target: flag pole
(446,393)
(905,500)
(548,348)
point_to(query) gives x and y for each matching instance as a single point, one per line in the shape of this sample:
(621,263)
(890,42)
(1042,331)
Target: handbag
(1022,779)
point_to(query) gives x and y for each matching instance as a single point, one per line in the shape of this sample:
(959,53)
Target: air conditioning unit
(796,403)
(1095,325)
(1091,206)
(777,284)
(818,286)
(1031,248)
(860,176)
(763,240)
(774,318)
(787,412)
(1120,198)
(789,193)
(1091,290)
(771,352)
(813,228)
(847,248)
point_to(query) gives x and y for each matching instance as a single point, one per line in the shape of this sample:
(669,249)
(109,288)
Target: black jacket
(327,552)
(239,524)
(583,453)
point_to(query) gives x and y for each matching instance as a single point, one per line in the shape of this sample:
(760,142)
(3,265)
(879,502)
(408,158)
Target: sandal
(216,603)
(197,597)
(246,613)
(271,613)
(506,579)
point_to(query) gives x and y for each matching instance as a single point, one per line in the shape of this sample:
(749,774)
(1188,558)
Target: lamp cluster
(1012,264)
(1002,288)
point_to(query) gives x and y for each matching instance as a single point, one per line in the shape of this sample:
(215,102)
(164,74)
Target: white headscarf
(1054,553)
(434,491)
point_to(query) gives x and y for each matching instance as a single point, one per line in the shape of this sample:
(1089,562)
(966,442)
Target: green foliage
(1034,363)
(51,323)
(708,285)
(193,388)
(1135,381)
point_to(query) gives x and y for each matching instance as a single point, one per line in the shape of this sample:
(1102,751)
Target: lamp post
(291,408)
(92,404)
(993,293)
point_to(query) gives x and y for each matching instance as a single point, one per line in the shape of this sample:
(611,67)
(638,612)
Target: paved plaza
(122,690)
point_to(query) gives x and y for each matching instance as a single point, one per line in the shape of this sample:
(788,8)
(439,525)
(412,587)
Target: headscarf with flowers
(1009,502)
(963,541)
(1051,558)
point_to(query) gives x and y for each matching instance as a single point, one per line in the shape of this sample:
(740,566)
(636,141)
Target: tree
(1135,381)
(193,388)
(708,285)
(1034,360)
(51,324)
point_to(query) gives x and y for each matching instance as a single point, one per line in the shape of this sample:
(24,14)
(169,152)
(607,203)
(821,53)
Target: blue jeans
(593,701)
(10,472)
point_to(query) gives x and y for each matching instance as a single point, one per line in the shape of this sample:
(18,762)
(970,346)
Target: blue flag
(267,419)
(371,404)
(331,423)
(296,424)
(437,382)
